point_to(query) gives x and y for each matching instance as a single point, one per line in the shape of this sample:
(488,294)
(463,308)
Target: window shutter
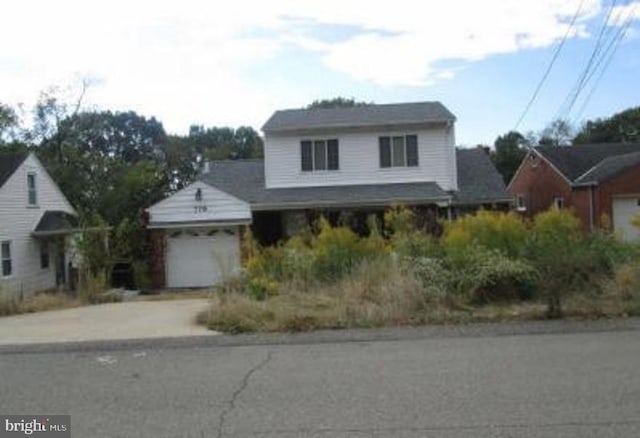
(306,156)
(319,155)
(333,162)
(385,152)
(412,150)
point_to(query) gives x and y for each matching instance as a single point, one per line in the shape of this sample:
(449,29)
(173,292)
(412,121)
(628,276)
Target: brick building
(600,182)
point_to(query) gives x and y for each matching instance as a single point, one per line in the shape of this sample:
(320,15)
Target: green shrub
(485,275)
(505,232)
(261,288)
(435,278)
(557,250)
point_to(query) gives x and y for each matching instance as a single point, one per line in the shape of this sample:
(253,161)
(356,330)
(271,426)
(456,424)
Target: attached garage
(624,209)
(201,257)
(196,236)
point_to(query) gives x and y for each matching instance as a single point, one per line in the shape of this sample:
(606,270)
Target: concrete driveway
(116,321)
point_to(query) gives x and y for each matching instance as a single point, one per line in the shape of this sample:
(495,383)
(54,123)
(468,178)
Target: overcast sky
(233,63)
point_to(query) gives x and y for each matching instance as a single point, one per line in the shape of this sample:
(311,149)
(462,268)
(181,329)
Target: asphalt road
(579,384)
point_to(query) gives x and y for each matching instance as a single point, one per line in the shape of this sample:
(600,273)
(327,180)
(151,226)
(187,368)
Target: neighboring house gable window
(399,151)
(521,203)
(7,269)
(319,155)
(558,202)
(31,187)
(44,255)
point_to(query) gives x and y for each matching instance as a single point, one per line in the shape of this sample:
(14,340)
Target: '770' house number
(200,209)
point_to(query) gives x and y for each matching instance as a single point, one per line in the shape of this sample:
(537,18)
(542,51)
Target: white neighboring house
(344,163)
(35,224)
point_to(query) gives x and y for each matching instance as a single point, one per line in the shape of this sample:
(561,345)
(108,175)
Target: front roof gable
(9,163)
(358,117)
(573,161)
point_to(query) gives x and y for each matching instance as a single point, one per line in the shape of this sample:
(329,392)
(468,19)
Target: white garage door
(201,257)
(624,209)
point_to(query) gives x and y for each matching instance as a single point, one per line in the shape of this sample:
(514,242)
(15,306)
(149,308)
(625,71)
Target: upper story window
(5,251)
(32,189)
(319,155)
(399,151)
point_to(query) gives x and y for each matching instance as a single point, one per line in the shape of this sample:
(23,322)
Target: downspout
(591,209)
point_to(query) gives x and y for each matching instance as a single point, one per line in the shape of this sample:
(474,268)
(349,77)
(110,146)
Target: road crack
(231,404)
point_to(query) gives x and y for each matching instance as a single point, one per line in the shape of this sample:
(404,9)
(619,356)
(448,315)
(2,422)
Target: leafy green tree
(223,143)
(509,151)
(337,102)
(9,122)
(619,128)
(557,133)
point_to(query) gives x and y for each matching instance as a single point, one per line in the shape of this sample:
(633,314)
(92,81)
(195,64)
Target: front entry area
(201,257)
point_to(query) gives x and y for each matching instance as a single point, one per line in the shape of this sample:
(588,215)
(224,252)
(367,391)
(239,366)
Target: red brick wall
(539,183)
(581,204)
(158,243)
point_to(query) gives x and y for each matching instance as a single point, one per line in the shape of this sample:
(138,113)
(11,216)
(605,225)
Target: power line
(612,48)
(571,98)
(549,67)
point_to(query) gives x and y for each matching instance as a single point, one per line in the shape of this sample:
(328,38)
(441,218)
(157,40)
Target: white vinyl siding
(360,160)
(213,206)
(18,221)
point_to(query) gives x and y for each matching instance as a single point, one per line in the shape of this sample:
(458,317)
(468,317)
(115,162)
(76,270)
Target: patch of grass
(38,303)
(182,294)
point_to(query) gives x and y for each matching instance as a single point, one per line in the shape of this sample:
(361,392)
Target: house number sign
(200,209)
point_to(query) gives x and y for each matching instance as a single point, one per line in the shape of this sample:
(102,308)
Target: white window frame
(324,142)
(3,259)
(32,190)
(521,203)
(405,156)
(558,202)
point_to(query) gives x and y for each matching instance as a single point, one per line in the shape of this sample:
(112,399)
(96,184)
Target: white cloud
(187,62)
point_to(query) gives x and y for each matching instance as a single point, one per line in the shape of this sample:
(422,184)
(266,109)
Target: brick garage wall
(539,183)
(158,249)
(581,205)
(627,183)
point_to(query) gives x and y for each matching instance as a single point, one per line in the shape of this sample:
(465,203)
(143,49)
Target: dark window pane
(319,155)
(398,151)
(6,250)
(307,156)
(6,268)
(385,152)
(333,162)
(44,255)
(412,150)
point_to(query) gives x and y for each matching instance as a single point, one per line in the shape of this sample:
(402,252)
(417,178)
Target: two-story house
(343,163)
(599,182)
(36,221)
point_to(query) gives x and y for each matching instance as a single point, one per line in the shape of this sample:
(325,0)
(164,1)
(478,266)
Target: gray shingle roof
(478,181)
(610,167)
(574,161)
(360,116)
(244,179)
(56,222)
(9,162)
